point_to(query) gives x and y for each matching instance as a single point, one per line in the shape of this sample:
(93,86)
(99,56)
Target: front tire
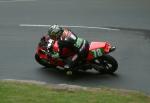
(107,64)
(42,61)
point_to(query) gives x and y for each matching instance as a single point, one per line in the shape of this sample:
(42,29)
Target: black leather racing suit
(76,44)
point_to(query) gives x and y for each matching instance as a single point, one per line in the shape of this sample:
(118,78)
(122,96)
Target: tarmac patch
(9,1)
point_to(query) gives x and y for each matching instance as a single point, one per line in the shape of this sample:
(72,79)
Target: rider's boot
(68,70)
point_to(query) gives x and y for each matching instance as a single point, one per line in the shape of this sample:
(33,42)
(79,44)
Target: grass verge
(20,92)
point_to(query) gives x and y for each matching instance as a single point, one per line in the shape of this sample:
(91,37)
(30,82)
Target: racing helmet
(55,31)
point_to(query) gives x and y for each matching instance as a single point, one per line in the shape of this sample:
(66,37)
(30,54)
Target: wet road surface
(17,44)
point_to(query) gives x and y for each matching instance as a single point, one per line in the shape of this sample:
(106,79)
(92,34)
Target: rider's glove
(55,55)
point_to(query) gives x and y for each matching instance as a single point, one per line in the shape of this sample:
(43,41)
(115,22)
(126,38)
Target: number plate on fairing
(97,52)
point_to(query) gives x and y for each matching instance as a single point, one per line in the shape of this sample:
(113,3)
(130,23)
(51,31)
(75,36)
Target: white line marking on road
(85,27)
(10,1)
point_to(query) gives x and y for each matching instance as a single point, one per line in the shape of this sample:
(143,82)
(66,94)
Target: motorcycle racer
(67,39)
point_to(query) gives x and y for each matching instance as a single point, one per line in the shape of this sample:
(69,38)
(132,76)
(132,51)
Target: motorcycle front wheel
(42,61)
(107,64)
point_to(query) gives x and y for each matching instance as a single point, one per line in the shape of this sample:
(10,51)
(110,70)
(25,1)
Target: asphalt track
(132,39)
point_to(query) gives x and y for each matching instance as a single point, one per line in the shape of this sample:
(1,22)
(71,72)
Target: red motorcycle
(97,58)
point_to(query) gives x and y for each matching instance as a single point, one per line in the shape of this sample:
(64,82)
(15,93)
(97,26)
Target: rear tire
(107,64)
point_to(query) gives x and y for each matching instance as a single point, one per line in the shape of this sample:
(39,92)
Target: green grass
(16,92)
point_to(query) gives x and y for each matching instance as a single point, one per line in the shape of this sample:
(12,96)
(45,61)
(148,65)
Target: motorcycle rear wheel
(107,64)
